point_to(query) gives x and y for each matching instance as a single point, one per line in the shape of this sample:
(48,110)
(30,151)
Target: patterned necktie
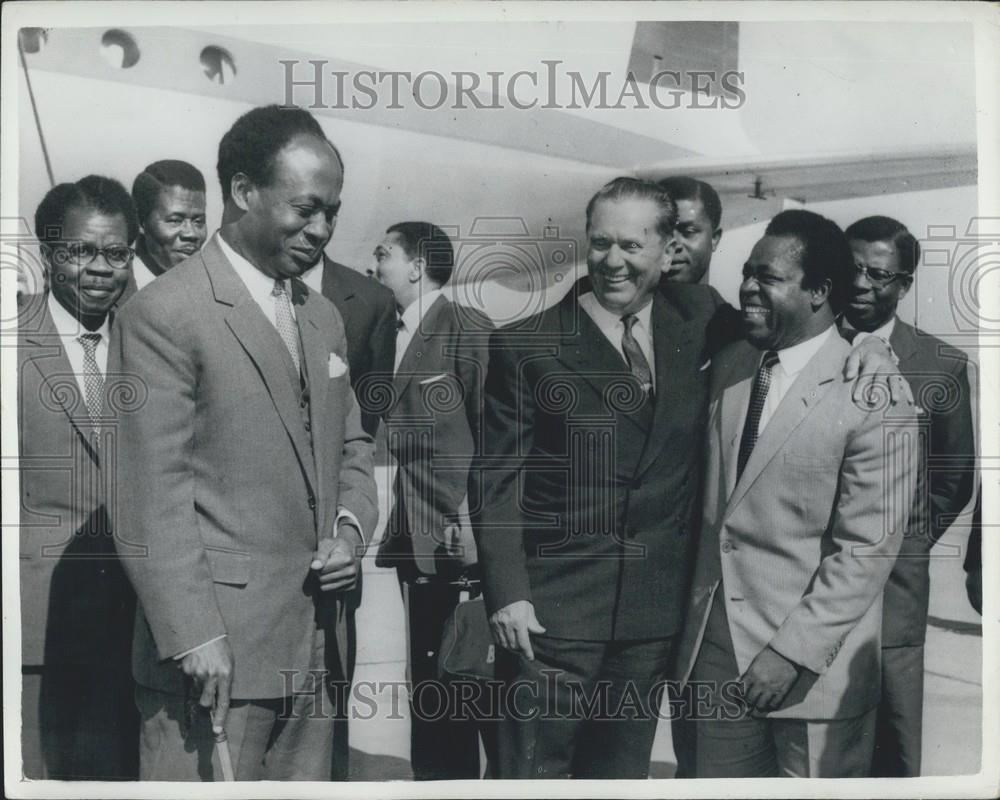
(757,397)
(634,356)
(286,322)
(93,380)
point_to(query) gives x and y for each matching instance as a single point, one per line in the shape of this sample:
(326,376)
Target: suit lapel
(263,344)
(413,358)
(808,389)
(903,341)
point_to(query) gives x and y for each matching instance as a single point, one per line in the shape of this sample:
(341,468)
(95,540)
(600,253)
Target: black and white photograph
(658,443)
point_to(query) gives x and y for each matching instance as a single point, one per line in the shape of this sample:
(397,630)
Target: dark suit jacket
(76,604)
(369,313)
(433,429)
(228,479)
(585,502)
(938,376)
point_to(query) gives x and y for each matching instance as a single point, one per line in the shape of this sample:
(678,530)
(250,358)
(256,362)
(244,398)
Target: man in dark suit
(246,474)
(433,428)
(586,499)
(77,716)
(886,255)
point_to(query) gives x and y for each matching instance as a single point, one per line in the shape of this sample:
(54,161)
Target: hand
(768,680)
(211,668)
(872,359)
(335,562)
(512,624)
(460,544)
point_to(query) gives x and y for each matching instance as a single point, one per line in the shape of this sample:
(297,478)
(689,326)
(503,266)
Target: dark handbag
(467,647)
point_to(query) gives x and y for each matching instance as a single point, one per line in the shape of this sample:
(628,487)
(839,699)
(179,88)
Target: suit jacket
(804,542)
(938,376)
(369,313)
(230,476)
(433,431)
(586,499)
(76,603)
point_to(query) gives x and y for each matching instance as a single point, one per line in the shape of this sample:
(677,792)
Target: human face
(625,253)
(695,239)
(87,291)
(871,305)
(175,227)
(777,311)
(289,222)
(395,269)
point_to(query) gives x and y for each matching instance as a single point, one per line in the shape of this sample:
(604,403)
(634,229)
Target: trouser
(581,709)
(899,721)
(78,723)
(444,738)
(281,739)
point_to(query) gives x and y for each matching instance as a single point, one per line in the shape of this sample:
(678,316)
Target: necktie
(634,356)
(757,397)
(93,380)
(285,321)
(402,340)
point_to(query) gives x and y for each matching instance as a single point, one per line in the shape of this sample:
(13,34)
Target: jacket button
(726,547)
(312,503)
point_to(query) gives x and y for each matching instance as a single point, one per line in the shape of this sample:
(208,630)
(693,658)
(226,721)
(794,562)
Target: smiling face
(625,254)
(396,270)
(777,311)
(175,228)
(288,222)
(87,291)
(695,239)
(872,305)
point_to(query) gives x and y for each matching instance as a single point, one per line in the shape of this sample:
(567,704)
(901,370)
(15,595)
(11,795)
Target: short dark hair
(681,187)
(256,138)
(427,241)
(887,229)
(826,256)
(162,175)
(638,189)
(93,193)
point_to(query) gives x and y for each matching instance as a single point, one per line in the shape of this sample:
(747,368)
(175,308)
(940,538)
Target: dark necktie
(758,395)
(93,380)
(634,356)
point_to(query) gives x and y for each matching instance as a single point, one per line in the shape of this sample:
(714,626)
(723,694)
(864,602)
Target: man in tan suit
(807,493)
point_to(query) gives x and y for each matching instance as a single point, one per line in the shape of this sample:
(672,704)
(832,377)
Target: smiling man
(698,229)
(806,493)
(78,718)
(246,475)
(169,198)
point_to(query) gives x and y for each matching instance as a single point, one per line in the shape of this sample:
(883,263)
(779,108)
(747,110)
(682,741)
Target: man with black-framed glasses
(77,608)
(886,255)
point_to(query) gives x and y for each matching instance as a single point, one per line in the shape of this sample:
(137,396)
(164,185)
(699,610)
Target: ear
(904,286)
(417,267)
(821,294)
(715,238)
(47,253)
(240,188)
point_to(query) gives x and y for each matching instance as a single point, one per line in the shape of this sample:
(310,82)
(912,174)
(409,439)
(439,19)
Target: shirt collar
(258,284)
(416,310)
(69,327)
(607,320)
(886,330)
(793,359)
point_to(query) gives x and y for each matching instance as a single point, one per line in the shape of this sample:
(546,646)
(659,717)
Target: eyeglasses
(117,256)
(880,277)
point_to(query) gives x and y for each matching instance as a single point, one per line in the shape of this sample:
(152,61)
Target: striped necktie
(634,356)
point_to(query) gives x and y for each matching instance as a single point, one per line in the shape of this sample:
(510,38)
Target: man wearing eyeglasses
(78,718)
(885,256)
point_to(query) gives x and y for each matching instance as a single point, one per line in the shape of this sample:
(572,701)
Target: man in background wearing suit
(698,229)
(885,257)
(433,428)
(169,198)
(807,492)
(77,716)
(586,499)
(246,474)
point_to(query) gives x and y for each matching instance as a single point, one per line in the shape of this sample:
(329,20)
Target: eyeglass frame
(68,256)
(881,284)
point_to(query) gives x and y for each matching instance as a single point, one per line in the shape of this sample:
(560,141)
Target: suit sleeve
(952,437)
(496,476)
(154,479)
(877,476)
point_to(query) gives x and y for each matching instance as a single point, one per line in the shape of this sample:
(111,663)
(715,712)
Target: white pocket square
(435,379)
(705,366)
(336,366)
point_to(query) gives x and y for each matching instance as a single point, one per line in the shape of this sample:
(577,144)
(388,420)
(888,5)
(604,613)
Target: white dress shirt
(613,328)
(258,284)
(69,328)
(409,322)
(142,274)
(313,277)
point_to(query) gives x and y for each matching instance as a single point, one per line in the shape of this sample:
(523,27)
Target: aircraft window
(119,49)
(218,65)
(32,39)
